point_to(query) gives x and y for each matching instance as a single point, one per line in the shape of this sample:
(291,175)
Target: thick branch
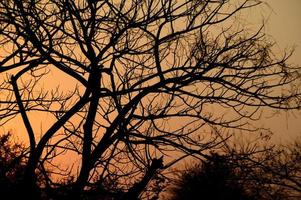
(23,114)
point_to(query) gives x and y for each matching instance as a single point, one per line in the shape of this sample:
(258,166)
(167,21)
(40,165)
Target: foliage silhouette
(125,82)
(12,167)
(215,179)
(267,174)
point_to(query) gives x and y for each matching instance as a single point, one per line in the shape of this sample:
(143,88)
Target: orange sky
(283,26)
(285,23)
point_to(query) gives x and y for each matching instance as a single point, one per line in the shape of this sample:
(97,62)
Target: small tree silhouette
(214,179)
(270,173)
(13,160)
(12,164)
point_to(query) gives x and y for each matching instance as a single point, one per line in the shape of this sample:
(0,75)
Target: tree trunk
(137,189)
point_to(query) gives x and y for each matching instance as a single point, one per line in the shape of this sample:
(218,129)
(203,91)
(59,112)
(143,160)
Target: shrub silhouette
(13,160)
(266,174)
(214,179)
(12,157)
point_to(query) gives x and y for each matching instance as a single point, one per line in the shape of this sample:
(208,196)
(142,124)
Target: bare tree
(146,78)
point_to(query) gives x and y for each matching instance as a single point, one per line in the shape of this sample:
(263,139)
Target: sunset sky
(112,99)
(284,26)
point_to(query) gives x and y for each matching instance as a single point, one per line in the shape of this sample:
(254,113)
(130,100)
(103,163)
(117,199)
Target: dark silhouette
(138,188)
(125,82)
(12,167)
(215,179)
(265,174)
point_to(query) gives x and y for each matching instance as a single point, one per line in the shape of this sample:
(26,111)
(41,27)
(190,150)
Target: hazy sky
(284,26)
(284,23)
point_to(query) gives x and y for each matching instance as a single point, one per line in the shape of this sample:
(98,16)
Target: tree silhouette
(11,164)
(12,167)
(255,174)
(138,79)
(215,179)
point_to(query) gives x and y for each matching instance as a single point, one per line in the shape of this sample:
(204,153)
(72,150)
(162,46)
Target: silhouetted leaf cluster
(12,163)
(270,174)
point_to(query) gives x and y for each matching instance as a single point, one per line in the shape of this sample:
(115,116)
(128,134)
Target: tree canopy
(265,173)
(130,84)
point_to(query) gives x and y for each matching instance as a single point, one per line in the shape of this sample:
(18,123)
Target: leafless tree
(146,78)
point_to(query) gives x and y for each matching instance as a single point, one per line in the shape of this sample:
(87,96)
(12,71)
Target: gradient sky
(283,25)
